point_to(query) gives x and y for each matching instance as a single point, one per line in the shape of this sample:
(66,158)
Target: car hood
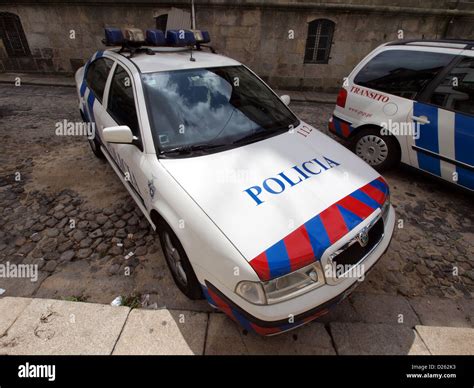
(270,197)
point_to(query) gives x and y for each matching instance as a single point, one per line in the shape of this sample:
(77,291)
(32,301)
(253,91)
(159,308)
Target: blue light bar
(205,36)
(113,36)
(180,38)
(155,38)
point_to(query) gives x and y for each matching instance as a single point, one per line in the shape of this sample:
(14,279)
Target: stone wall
(255,33)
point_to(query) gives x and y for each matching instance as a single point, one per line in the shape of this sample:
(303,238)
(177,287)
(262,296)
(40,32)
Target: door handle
(421,119)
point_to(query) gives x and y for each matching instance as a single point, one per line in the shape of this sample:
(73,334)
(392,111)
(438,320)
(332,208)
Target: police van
(268,218)
(412,102)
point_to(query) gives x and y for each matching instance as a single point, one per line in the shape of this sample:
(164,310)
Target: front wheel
(380,151)
(178,263)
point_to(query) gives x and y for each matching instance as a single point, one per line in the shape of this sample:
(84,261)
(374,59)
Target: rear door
(92,90)
(445,113)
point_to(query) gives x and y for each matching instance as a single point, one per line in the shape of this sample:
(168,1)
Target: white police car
(255,210)
(412,101)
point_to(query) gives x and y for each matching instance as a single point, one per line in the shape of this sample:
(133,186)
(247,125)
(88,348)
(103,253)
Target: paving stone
(10,309)
(435,311)
(226,337)
(447,340)
(343,312)
(382,308)
(376,339)
(47,327)
(163,332)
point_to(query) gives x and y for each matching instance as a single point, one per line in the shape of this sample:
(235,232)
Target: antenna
(193,16)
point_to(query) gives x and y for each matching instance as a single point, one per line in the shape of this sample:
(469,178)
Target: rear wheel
(178,263)
(380,151)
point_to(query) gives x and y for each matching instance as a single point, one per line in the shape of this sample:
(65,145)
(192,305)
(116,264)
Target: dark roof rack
(445,43)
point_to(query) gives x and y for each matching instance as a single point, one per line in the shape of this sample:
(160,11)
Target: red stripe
(223,306)
(299,248)
(374,193)
(264,330)
(355,206)
(331,126)
(381,179)
(260,266)
(345,129)
(333,223)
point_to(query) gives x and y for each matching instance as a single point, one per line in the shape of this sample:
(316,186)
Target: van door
(445,119)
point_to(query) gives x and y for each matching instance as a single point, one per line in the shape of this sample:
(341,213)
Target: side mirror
(121,134)
(286,99)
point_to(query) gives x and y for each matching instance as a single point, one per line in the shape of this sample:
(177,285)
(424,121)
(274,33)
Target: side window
(403,73)
(121,103)
(456,92)
(97,73)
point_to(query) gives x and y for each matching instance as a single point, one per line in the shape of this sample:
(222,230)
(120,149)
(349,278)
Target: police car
(412,101)
(255,210)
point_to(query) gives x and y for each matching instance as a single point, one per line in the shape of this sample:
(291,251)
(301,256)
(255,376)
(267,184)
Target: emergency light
(134,35)
(180,38)
(113,36)
(155,38)
(201,36)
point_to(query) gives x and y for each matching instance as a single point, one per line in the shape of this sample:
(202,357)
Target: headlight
(283,288)
(385,209)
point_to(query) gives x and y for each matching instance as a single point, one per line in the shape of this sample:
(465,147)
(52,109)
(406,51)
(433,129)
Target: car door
(92,94)
(122,110)
(446,117)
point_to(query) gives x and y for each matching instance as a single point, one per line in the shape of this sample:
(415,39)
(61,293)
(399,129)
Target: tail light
(341,98)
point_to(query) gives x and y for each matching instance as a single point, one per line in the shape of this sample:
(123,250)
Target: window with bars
(14,39)
(319,41)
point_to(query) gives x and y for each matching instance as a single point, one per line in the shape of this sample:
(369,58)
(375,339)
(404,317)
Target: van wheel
(178,263)
(380,151)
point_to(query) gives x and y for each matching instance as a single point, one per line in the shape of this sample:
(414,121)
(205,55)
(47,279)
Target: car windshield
(211,108)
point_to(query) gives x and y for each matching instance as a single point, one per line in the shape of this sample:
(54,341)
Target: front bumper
(274,319)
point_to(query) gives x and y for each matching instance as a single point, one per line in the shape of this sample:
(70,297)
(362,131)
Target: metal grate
(319,41)
(13,36)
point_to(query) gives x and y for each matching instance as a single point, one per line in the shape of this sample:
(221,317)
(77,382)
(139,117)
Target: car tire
(382,152)
(178,263)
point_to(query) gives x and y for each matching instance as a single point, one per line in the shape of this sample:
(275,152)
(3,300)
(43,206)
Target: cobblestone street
(47,180)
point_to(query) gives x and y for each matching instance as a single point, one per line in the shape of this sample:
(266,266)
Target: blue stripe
(464,138)
(337,126)
(90,103)
(350,218)
(208,296)
(278,259)
(83,87)
(428,138)
(379,185)
(244,322)
(361,196)
(465,177)
(318,236)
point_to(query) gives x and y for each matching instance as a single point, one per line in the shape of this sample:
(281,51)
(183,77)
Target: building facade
(309,45)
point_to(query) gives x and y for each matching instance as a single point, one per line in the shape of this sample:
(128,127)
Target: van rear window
(404,73)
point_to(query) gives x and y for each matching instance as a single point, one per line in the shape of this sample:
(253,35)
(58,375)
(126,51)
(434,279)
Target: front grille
(354,253)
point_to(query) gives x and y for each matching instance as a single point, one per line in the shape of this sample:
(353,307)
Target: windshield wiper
(259,135)
(189,149)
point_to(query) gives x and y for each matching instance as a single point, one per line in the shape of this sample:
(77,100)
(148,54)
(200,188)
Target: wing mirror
(286,99)
(121,134)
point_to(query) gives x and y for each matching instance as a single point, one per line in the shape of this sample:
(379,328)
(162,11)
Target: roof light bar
(179,38)
(155,38)
(113,37)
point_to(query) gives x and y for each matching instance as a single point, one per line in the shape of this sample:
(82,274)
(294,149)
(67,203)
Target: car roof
(440,43)
(165,59)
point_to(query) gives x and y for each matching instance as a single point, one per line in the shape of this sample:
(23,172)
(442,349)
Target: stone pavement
(362,324)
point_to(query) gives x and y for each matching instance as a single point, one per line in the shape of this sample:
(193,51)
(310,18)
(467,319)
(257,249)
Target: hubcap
(174,258)
(372,149)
